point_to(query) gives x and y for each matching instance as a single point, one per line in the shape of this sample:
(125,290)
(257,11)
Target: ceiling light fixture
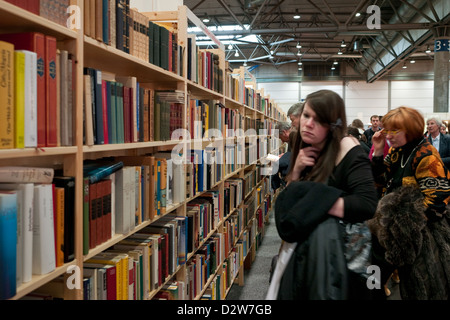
(230,46)
(335,62)
(236,54)
(333,67)
(339,52)
(357,14)
(404,65)
(300,69)
(428,50)
(205,20)
(300,63)
(299,53)
(298,45)
(343,45)
(412,61)
(296,15)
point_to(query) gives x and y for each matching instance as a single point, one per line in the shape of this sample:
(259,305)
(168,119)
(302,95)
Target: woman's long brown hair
(330,111)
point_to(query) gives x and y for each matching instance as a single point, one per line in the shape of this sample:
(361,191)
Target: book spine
(43,235)
(8,236)
(19,99)
(51,91)
(86,211)
(98,107)
(26,174)
(30,112)
(102,172)
(105,113)
(7,95)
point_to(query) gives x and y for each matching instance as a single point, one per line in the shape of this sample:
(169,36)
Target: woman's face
(397,138)
(311,130)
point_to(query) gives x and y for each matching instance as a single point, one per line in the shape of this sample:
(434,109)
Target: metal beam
(231,13)
(355,30)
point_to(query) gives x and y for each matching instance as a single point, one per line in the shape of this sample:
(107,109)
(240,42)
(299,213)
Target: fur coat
(418,248)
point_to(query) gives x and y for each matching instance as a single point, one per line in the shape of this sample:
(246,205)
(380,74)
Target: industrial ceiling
(371,36)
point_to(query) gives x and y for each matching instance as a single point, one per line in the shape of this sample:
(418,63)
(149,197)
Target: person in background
(284,129)
(410,228)
(360,125)
(439,140)
(294,114)
(443,128)
(330,178)
(375,121)
(285,135)
(353,131)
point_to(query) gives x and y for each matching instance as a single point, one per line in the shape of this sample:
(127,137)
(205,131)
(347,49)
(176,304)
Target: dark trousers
(386,268)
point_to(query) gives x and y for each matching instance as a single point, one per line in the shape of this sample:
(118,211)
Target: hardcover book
(8,240)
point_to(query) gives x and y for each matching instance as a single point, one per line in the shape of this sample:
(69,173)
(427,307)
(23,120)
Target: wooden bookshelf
(89,52)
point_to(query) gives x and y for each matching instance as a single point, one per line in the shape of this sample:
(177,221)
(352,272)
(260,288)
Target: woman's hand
(378,141)
(305,158)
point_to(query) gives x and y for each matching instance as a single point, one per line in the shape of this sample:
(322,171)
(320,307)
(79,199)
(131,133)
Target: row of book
(208,118)
(203,66)
(53,10)
(37,99)
(141,188)
(219,286)
(144,188)
(116,24)
(36,224)
(173,238)
(120,110)
(236,89)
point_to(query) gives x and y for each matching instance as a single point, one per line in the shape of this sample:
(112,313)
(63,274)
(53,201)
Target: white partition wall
(284,93)
(362,100)
(414,94)
(309,87)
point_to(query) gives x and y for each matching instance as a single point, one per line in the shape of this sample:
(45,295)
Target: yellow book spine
(125,276)
(6,95)
(19,99)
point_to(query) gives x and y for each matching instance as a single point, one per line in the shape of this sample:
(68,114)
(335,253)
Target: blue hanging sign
(441,45)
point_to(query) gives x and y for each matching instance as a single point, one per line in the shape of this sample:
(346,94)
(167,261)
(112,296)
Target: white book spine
(30,99)
(44,260)
(131,196)
(122,206)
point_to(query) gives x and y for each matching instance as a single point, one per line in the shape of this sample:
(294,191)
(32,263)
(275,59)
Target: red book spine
(51,91)
(107,206)
(111,283)
(105,112)
(92,215)
(100,218)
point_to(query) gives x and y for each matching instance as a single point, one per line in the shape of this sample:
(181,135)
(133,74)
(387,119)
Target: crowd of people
(388,184)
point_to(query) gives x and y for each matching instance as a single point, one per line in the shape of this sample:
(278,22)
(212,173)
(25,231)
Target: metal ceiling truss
(405,24)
